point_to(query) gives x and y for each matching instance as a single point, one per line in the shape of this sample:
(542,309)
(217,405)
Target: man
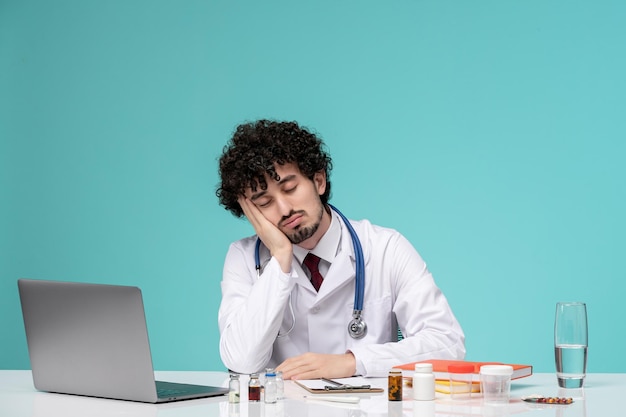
(295,317)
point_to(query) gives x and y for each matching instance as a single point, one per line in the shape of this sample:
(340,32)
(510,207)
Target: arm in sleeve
(251,310)
(424,316)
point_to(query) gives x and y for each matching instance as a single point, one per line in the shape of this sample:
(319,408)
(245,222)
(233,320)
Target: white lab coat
(399,291)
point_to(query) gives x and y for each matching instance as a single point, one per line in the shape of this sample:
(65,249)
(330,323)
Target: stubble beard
(303,233)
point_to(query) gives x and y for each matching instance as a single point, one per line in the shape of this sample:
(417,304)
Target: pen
(335,398)
(331,381)
(338,386)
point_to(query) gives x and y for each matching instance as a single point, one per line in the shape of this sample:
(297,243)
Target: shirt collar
(327,247)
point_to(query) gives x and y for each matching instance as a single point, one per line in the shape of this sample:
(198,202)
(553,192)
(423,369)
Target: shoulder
(368,231)
(245,246)
(384,242)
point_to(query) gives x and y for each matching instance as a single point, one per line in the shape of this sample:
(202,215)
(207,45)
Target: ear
(319,180)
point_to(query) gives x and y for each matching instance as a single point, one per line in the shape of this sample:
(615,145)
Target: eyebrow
(263,192)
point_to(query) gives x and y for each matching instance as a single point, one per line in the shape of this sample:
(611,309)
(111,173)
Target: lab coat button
(315,310)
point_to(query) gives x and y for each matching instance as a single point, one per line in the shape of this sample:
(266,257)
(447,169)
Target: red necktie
(311,262)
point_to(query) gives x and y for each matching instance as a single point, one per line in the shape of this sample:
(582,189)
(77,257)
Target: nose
(284,207)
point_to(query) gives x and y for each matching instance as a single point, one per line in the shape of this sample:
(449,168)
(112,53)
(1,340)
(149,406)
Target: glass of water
(570,344)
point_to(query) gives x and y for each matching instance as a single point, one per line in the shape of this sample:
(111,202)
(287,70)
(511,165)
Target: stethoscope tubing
(359,290)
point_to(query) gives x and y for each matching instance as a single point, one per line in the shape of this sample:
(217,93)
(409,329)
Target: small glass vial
(254,388)
(234,389)
(394,389)
(423,382)
(270,387)
(280,386)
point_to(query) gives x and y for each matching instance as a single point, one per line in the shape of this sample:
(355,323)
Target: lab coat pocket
(378,316)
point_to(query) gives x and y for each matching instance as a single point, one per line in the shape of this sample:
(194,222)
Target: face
(293,204)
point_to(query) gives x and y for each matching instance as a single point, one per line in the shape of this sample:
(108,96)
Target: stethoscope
(357,328)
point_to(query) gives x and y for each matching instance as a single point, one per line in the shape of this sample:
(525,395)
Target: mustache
(292,213)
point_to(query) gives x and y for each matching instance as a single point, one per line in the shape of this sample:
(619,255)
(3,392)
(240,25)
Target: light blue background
(491,133)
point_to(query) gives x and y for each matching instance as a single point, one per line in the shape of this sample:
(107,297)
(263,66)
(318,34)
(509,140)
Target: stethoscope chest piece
(357,329)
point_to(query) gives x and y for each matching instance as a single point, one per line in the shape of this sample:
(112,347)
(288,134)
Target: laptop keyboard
(168,392)
(169,389)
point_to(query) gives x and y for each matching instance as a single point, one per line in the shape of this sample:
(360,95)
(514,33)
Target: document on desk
(338,386)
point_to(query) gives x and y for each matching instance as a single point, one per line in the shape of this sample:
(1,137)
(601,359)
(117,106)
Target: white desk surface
(602,396)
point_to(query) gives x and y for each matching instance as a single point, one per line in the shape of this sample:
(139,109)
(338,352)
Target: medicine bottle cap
(424,367)
(496,370)
(395,371)
(270,374)
(461,369)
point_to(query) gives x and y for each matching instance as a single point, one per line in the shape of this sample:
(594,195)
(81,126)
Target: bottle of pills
(270,387)
(394,388)
(254,388)
(233,389)
(423,382)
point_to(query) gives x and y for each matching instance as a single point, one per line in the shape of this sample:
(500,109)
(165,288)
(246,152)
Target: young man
(293,314)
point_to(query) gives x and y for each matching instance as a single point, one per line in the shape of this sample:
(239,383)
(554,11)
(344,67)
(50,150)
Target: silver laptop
(91,339)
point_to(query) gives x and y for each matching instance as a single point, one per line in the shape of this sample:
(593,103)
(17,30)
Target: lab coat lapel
(342,270)
(302,279)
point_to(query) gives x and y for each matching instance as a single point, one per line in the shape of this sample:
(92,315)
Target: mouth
(293,221)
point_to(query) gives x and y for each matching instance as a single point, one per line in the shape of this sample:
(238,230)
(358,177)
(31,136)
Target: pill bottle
(394,388)
(423,382)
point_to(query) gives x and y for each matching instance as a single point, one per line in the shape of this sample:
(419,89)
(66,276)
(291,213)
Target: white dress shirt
(256,315)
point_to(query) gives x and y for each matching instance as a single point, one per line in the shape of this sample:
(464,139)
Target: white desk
(602,396)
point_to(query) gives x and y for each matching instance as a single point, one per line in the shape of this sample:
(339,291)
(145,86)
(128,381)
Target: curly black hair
(254,149)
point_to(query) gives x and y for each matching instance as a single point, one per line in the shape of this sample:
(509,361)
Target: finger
(251,211)
(271,236)
(311,374)
(293,366)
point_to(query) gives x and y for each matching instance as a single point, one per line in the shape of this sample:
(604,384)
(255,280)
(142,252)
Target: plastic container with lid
(461,376)
(495,383)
